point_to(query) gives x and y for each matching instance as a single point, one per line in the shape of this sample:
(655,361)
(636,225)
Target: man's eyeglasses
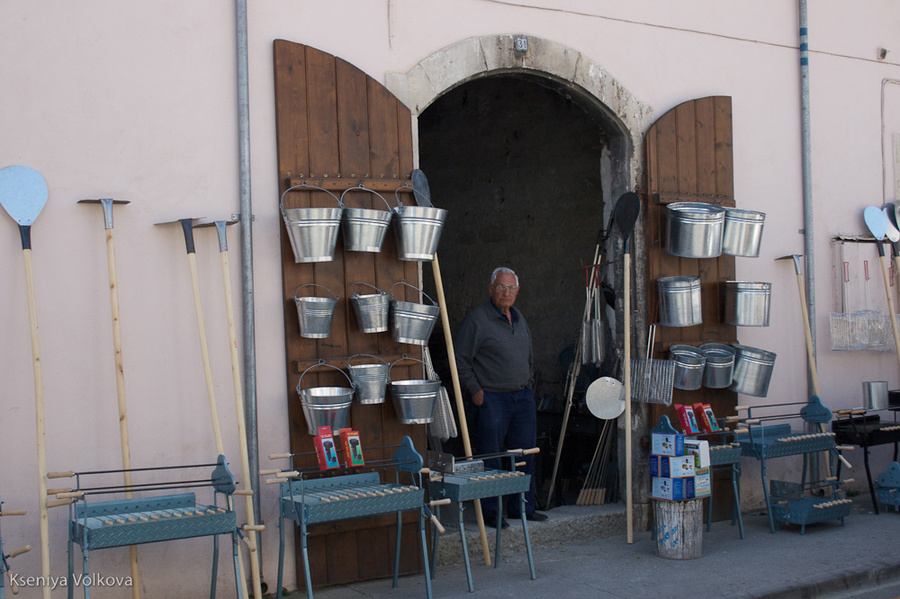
(506,288)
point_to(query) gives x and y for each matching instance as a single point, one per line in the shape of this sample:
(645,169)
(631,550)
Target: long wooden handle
(890,303)
(251,527)
(39,423)
(626,333)
(457,392)
(810,352)
(120,392)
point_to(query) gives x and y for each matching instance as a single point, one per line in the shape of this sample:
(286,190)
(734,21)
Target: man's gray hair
(506,270)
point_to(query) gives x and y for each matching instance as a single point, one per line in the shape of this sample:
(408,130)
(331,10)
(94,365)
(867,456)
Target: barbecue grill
(858,428)
(766,439)
(468,480)
(306,498)
(133,521)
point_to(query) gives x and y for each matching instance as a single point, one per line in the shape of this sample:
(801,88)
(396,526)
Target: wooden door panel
(688,157)
(338,128)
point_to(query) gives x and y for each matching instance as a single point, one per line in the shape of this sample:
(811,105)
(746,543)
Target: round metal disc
(605,398)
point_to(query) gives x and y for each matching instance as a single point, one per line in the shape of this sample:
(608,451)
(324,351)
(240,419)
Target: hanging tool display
(23,194)
(107,204)
(624,216)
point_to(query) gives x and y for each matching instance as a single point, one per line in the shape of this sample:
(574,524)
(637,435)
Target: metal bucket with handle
(325,406)
(364,228)
(414,399)
(412,322)
(315,313)
(312,231)
(369,380)
(418,230)
(371,309)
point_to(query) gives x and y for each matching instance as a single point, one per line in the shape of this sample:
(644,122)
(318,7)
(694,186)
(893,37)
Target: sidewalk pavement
(829,560)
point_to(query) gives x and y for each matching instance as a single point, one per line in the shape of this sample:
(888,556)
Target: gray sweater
(491,353)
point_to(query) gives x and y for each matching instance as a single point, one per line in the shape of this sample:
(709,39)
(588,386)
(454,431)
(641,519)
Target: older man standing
(494,355)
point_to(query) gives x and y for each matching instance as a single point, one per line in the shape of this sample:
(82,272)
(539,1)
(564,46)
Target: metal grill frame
(124,522)
(301,502)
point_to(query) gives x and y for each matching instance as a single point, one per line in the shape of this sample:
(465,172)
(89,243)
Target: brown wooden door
(688,155)
(336,128)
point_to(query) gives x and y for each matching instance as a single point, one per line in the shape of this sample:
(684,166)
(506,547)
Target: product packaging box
(672,466)
(700,451)
(688,419)
(674,489)
(353,456)
(666,444)
(325,449)
(702,483)
(706,417)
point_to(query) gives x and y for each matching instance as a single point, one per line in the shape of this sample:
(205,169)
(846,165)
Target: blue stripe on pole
(804,47)
(804,62)
(804,31)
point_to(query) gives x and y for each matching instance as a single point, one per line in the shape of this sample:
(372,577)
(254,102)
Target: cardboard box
(325,449)
(700,451)
(688,419)
(706,418)
(674,489)
(353,456)
(666,444)
(671,466)
(702,483)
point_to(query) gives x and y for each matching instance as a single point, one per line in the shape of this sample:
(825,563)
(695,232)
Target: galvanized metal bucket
(752,370)
(694,229)
(369,380)
(875,395)
(743,232)
(364,228)
(689,365)
(371,309)
(325,406)
(312,231)
(414,399)
(418,231)
(747,303)
(679,301)
(412,322)
(719,365)
(315,313)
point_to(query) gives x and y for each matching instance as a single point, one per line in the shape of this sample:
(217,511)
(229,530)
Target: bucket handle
(403,281)
(369,355)
(400,205)
(367,285)
(314,285)
(308,186)
(322,362)
(423,363)
(362,187)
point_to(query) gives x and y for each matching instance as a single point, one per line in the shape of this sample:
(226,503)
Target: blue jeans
(507,421)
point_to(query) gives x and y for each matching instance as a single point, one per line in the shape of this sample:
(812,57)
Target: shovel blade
(23,193)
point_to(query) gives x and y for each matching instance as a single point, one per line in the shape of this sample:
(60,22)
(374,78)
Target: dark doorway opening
(524,165)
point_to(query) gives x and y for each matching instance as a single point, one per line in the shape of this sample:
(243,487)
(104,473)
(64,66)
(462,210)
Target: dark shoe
(532,517)
(492,521)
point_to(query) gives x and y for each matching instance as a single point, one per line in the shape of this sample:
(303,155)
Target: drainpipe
(246,218)
(808,246)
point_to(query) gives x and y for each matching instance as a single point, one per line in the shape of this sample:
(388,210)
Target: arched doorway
(529,160)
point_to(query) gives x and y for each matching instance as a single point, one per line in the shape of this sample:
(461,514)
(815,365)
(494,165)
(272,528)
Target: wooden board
(688,157)
(336,123)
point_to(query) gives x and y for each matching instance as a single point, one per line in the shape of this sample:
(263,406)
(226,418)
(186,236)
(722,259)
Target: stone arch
(556,65)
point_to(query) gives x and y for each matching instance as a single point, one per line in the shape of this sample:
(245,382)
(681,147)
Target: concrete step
(565,524)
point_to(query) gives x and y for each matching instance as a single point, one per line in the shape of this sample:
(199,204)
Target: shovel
(23,194)
(422,193)
(626,213)
(877,223)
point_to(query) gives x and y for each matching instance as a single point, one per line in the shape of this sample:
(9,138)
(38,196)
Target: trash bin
(679,528)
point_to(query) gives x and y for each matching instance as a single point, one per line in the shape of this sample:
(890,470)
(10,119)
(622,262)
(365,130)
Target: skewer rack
(768,436)
(858,427)
(4,564)
(469,480)
(149,519)
(308,497)
(889,486)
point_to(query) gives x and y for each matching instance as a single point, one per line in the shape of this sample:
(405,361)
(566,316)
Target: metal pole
(246,217)
(808,241)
